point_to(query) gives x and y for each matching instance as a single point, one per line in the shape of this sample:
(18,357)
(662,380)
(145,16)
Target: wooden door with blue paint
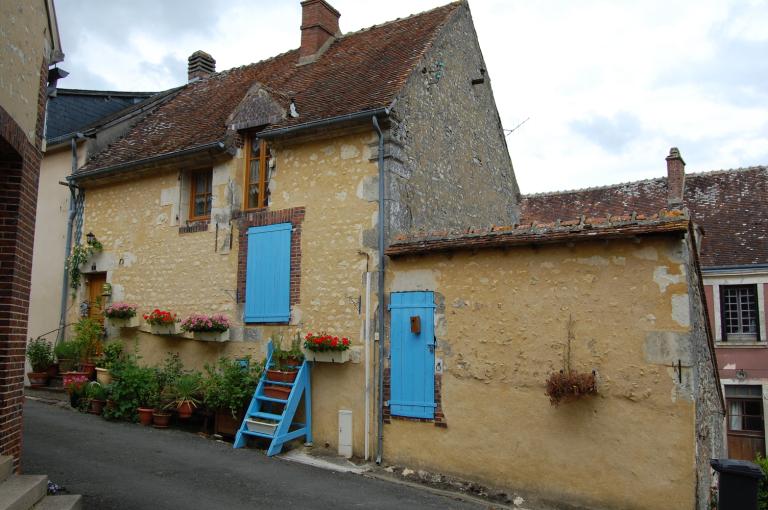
(412,354)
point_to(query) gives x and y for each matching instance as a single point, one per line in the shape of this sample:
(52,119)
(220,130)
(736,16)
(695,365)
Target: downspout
(68,241)
(381,292)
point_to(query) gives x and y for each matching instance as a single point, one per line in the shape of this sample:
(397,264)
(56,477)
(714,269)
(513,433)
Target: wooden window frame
(262,202)
(724,318)
(193,177)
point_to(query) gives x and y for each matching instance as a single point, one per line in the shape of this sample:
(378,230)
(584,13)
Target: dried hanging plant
(568,384)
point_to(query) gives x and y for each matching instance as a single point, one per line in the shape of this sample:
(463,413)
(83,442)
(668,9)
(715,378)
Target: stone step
(6,467)
(62,502)
(21,492)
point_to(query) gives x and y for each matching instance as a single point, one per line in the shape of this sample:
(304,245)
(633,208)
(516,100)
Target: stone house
(30,46)
(352,148)
(731,207)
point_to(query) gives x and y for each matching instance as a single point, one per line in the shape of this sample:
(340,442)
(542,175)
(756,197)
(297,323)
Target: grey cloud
(613,134)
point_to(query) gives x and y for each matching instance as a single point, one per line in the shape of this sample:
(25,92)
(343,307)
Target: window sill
(194,226)
(742,345)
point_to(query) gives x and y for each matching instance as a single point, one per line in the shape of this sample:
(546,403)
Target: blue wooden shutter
(268,274)
(412,366)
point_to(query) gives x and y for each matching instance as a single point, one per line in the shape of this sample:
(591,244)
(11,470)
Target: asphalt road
(117,465)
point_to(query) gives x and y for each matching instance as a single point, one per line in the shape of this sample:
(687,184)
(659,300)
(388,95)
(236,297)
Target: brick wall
(295,217)
(19,172)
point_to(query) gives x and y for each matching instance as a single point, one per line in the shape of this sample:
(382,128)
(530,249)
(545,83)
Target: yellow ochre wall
(150,264)
(501,321)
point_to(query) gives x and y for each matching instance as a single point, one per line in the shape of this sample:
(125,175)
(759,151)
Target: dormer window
(256,173)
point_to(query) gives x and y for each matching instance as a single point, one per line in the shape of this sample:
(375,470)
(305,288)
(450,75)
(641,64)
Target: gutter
(365,114)
(380,431)
(68,239)
(735,269)
(122,167)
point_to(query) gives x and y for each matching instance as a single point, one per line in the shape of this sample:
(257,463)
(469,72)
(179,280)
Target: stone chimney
(675,177)
(319,27)
(200,65)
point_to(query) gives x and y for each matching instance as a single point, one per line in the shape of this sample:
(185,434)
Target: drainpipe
(381,291)
(68,240)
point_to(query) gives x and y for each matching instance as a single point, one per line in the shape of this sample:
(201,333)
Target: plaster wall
(24,48)
(447,159)
(501,330)
(151,264)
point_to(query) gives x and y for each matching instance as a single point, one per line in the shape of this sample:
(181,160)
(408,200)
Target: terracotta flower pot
(145,416)
(280,392)
(88,368)
(281,376)
(37,379)
(97,406)
(184,410)
(161,419)
(226,424)
(70,377)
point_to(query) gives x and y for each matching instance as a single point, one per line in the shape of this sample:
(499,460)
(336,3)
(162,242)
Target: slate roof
(730,205)
(360,71)
(70,110)
(532,232)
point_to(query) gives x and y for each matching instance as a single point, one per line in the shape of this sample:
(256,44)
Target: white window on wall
(739,313)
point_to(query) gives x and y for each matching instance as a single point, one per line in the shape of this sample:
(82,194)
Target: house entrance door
(746,428)
(96,283)
(412,350)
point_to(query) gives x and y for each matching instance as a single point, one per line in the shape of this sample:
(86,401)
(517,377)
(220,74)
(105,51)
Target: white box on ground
(345,433)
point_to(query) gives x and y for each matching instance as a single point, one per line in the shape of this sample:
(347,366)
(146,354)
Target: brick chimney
(319,25)
(675,177)
(200,65)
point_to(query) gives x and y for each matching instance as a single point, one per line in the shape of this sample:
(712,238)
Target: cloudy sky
(608,86)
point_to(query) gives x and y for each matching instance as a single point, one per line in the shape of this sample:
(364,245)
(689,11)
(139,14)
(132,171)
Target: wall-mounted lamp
(90,238)
(741,374)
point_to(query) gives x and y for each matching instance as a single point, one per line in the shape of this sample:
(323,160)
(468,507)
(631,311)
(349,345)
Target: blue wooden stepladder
(287,429)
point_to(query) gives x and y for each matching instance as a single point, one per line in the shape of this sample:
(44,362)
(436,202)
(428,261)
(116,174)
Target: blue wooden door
(412,372)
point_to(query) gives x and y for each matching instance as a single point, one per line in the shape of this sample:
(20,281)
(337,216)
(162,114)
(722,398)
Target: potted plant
(88,335)
(121,315)
(227,388)
(568,384)
(67,353)
(40,356)
(185,394)
(167,376)
(113,352)
(160,417)
(326,348)
(161,322)
(284,363)
(211,328)
(75,382)
(97,397)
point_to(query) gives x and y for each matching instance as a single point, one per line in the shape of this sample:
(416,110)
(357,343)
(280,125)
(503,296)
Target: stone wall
(447,160)
(501,329)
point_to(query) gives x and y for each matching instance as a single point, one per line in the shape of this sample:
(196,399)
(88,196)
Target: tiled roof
(730,205)
(360,71)
(558,231)
(70,110)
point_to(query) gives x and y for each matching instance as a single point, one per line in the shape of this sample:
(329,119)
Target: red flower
(335,342)
(345,341)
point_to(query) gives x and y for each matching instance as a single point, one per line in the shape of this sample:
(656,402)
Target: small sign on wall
(415,324)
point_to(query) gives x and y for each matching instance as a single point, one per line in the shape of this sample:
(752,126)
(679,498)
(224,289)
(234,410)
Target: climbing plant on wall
(80,255)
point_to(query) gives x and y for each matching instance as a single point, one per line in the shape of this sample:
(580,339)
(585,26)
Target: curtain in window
(734,410)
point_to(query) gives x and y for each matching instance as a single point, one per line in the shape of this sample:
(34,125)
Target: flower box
(211,336)
(264,427)
(133,322)
(278,392)
(328,356)
(163,329)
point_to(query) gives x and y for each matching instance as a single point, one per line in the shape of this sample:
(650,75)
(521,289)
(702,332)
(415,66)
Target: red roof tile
(360,71)
(558,231)
(731,206)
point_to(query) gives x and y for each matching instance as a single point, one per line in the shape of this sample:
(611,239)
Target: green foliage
(762,490)
(67,350)
(88,334)
(80,255)
(113,353)
(229,385)
(167,375)
(95,391)
(286,360)
(40,354)
(133,386)
(186,389)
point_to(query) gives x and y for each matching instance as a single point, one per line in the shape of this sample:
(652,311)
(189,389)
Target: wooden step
(269,416)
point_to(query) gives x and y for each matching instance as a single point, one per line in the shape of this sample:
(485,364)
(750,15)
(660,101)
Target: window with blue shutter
(268,274)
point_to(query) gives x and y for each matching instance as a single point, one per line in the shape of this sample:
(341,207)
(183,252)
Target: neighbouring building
(30,45)
(731,206)
(255,192)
